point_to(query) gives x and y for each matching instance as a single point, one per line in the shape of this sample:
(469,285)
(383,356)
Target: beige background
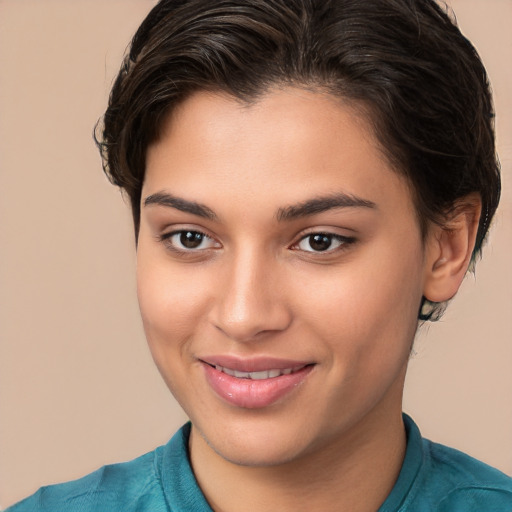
(77,385)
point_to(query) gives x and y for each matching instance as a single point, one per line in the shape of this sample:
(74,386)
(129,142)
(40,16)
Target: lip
(253,394)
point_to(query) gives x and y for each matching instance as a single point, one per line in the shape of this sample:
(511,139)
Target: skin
(255,286)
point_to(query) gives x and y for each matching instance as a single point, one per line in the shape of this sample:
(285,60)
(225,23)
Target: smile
(252,386)
(261,375)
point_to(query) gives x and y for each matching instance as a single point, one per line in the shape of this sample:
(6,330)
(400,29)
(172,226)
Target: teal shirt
(433,478)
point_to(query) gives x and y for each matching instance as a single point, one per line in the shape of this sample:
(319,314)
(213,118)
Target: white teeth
(262,375)
(265,374)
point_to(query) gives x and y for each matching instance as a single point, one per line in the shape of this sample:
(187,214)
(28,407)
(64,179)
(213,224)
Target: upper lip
(253,364)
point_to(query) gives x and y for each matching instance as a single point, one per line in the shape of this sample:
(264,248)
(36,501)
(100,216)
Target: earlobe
(449,249)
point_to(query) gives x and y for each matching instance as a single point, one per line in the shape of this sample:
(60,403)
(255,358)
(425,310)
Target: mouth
(259,375)
(254,383)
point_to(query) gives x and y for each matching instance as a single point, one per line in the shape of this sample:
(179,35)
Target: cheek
(368,307)
(171,301)
(172,305)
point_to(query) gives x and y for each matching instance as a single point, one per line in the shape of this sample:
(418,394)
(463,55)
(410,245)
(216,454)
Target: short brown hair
(404,62)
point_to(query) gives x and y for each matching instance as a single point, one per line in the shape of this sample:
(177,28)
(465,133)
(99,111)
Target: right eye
(187,240)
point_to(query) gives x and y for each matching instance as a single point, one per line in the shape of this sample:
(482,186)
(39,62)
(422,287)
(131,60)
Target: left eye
(322,242)
(189,240)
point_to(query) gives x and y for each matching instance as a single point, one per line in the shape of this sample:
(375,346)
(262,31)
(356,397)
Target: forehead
(288,145)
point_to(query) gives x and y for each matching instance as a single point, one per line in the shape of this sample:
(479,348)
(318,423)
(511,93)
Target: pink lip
(251,393)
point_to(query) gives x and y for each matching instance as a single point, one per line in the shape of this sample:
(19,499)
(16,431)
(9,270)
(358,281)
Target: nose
(251,299)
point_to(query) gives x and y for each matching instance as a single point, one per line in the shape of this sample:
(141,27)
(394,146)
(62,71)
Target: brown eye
(320,242)
(323,242)
(188,240)
(191,239)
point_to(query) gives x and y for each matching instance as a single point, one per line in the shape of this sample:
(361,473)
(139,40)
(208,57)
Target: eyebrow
(322,204)
(307,208)
(166,199)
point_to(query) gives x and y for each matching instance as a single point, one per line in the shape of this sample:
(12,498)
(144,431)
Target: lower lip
(252,393)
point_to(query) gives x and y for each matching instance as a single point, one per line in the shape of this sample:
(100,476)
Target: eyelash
(343,242)
(166,239)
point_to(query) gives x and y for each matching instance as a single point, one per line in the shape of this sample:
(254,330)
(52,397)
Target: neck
(355,473)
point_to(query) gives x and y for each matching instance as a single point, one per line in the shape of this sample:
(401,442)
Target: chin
(256,454)
(259,443)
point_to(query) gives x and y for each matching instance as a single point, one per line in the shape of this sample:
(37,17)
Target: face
(280,272)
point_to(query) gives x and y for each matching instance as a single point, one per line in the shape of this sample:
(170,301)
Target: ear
(449,249)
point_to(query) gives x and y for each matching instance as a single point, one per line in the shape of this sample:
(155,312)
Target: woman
(308,180)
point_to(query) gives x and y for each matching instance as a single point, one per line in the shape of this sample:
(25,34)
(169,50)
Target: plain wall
(78,388)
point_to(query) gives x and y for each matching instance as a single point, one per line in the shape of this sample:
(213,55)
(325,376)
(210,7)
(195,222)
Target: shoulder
(159,481)
(465,483)
(435,478)
(133,485)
